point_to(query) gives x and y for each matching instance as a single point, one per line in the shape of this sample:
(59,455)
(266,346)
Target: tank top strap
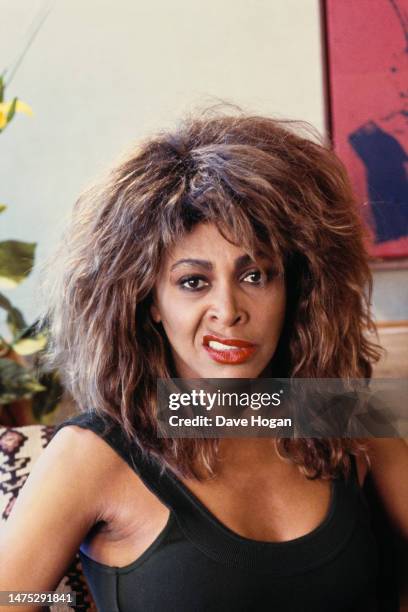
(156,478)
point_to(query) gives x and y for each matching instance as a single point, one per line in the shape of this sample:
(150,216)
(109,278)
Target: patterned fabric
(20,447)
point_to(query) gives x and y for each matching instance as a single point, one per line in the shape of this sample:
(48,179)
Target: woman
(231,232)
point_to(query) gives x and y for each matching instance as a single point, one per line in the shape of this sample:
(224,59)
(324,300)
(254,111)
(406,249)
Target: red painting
(367,56)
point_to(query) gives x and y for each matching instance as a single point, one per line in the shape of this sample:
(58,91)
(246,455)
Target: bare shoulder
(100,472)
(383,453)
(387,452)
(63,497)
(74,470)
(79,447)
(390,443)
(107,481)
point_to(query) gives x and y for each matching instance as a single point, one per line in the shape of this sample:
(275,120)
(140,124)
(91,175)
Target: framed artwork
(366,44)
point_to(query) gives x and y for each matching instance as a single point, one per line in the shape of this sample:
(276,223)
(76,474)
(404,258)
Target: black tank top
(197,564)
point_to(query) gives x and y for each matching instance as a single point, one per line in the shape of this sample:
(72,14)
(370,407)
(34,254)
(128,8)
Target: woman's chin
(232,372)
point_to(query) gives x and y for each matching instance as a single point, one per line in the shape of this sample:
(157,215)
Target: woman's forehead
(206,243)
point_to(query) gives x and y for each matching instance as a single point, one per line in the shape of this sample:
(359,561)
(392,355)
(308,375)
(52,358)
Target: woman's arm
(57,506)
(389,470)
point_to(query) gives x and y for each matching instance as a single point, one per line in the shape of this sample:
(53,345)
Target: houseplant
(26,394)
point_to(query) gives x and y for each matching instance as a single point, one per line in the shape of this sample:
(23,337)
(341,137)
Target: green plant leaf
(15,319)
(17,382)
(16,322)
(29,331)
(16,261)
(3,207)
(12,110)
(28,346)
(2,87)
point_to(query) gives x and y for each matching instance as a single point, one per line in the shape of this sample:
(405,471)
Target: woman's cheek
(180,324)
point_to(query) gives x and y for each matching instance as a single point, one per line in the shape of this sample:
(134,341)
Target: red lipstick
(242,350)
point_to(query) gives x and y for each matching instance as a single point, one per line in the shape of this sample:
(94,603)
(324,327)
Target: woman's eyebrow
(207,265)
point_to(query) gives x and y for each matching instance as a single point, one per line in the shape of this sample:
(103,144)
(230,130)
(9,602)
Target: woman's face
(222,312)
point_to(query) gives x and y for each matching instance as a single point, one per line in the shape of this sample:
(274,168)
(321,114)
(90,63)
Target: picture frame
(366,73)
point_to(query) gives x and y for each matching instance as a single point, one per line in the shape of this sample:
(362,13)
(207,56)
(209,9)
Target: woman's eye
(193,283)
(261,277)
(198,283)
(256,277)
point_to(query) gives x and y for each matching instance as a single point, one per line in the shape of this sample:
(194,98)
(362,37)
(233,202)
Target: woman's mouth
(231,351)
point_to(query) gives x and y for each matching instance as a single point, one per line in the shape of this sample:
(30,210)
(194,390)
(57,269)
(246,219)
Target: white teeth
(221,347)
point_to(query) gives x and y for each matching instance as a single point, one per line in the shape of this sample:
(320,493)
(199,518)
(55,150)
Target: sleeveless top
(197,564)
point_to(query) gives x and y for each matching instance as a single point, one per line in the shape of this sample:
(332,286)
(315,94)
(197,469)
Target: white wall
(102,73)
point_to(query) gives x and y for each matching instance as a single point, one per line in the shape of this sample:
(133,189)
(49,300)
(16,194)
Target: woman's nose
(226,307)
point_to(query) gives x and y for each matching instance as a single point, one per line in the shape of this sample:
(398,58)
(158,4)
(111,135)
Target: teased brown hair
(267,185)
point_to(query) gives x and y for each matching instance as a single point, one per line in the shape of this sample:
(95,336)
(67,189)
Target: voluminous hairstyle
(269,186)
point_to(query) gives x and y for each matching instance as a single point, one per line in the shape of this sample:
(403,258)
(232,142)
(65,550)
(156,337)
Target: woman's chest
(257,511)
(182,560)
